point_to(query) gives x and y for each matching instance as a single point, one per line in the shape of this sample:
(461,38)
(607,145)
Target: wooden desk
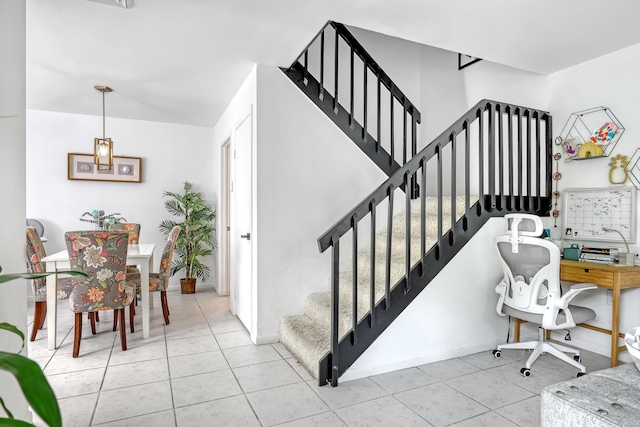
(614,277)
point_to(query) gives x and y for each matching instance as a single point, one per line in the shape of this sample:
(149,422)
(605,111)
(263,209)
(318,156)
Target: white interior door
(241,238)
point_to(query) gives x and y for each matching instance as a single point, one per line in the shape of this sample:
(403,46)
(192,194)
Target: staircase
(307,336)
(495,159)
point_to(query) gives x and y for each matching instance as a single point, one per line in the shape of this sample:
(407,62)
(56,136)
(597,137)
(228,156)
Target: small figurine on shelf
(604,134)
(589,149)
(571,146)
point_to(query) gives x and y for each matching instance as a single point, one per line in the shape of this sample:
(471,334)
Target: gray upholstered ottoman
(610,397)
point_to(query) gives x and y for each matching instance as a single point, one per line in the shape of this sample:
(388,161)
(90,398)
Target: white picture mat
(588,210)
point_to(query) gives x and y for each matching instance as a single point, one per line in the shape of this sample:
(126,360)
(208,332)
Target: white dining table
(140,255)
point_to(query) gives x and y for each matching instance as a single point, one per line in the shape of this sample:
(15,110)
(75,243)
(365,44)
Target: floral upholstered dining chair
(134,238)
(159,282)
(102,255)
(131,228)
(35,253)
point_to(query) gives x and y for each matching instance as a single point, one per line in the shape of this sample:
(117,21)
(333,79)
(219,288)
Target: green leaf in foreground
(35,387)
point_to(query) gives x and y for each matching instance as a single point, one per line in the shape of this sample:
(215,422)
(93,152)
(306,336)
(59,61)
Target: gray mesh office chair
(530,290)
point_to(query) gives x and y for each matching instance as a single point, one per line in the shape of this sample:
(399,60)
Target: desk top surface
(604,267)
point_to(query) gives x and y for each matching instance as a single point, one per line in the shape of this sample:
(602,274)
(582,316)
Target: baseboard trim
(367,371)
(265,339)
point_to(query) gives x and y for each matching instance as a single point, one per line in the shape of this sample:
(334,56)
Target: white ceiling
(181,61)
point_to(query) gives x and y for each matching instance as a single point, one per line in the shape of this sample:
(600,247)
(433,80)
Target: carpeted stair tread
(307,336)
(306,340)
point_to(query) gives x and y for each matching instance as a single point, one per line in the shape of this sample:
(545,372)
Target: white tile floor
(203,370)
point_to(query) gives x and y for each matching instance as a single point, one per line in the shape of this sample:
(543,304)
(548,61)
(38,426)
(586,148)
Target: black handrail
(487,119)
(381,148)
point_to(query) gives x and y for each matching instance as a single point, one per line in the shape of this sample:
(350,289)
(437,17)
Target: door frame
(225,213)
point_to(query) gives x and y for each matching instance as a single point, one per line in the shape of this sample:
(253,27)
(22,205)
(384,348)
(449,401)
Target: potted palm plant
(196,217)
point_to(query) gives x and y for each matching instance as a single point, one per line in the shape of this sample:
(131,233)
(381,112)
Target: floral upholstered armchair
(35,253)
(102,255)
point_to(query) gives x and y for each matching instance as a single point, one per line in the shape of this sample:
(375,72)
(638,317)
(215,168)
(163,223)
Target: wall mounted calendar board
(588,210)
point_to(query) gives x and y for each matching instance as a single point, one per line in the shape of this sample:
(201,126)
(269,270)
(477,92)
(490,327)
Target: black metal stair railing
(499,152)
(339,76)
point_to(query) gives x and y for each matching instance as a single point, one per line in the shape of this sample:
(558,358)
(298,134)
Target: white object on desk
(141,255)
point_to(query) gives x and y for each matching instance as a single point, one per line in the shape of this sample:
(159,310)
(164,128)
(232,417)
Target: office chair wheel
(577,359)
(497,353)
(525,372)
(580,374)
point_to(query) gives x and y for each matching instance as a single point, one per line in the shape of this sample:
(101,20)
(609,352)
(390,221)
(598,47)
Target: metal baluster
(467,167)
(354,277)
(387,282)
(321,94)
(439,184)
(372,265)
(415,190)
(378,124)
(549,153)
(538,156)
(492,155)
(407,240)
(481,157)
(393,156)
(454,192)
(364,83)
(423,213)
(351,89)
(529,171)
(404,143)
(499,110)
(335,304)
(520,154)
(305,73)
(510,130)
(335,91)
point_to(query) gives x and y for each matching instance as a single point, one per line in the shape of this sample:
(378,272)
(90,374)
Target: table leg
(52,306)
(146,295)
(615,318)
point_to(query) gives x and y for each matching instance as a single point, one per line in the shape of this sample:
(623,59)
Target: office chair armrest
(549,317)
(501,289)
(574,291)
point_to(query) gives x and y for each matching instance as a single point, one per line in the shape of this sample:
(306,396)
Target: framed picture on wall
(125,169)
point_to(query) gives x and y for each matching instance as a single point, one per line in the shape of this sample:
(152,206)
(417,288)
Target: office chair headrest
(519,225)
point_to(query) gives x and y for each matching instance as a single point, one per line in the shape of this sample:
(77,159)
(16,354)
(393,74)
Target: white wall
(454,316)
(609,81)
(13,295)
(309,175)
(171,154)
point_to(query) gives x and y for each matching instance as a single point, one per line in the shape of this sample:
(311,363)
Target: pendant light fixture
(103,147)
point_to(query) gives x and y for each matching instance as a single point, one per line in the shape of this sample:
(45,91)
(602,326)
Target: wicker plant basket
(187,286)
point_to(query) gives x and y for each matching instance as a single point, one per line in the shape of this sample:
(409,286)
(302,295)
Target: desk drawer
(590,275)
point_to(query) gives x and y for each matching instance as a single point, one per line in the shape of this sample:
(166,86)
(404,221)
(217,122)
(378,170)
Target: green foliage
(197,234)
(32,381)
(102,220)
